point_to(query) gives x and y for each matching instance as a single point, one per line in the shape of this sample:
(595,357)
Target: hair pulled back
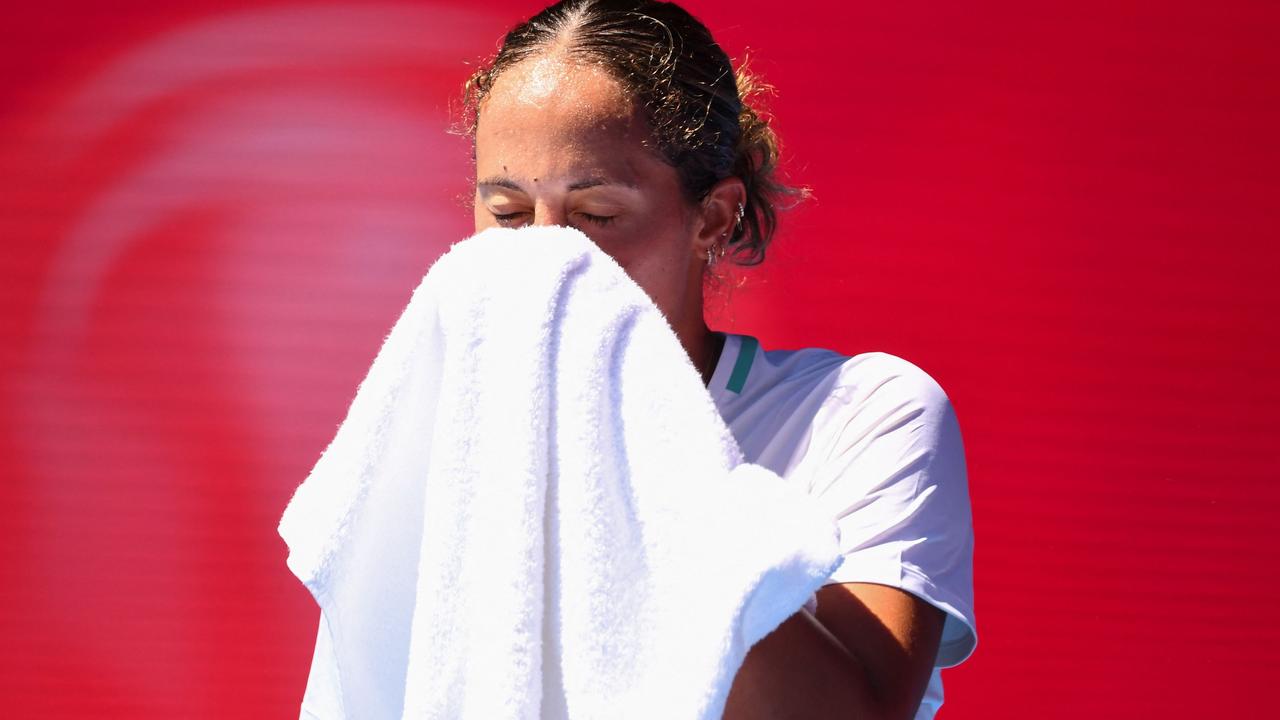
(685,85)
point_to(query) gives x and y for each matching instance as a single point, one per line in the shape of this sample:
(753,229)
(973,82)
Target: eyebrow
(508,183)
(501,182)
(597,182)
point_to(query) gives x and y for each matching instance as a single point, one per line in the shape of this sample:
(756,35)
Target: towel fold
(533,508)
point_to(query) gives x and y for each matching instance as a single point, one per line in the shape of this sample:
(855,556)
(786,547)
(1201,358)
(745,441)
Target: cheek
(649,245)
(658,261)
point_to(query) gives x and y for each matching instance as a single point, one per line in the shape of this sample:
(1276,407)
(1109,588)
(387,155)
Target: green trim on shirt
(746,355)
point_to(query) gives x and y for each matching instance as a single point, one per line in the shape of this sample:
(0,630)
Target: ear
(719,215)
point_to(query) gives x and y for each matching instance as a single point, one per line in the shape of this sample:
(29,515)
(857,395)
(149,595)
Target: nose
(549,213)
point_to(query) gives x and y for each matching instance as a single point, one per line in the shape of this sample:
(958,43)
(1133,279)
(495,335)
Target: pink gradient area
(212,212)
(211,232)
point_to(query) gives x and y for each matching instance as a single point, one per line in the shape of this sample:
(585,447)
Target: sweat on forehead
(556,79)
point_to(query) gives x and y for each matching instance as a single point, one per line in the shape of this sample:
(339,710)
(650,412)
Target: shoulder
(881,368)
(884,408)
(749,378)
(856,382)
(888,380)
(878,419)
(791,409)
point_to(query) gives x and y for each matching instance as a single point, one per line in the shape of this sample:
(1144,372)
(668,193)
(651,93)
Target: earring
(715,252)
(742,211)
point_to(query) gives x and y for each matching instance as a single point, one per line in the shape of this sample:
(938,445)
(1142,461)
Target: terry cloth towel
(533,508)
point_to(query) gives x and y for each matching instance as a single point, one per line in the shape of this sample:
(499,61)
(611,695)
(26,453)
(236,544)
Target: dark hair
(685,84)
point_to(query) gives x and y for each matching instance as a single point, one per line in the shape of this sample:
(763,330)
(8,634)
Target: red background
(1066,212)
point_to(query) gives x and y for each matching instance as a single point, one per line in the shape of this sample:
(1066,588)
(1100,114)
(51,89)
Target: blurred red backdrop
(1068,213)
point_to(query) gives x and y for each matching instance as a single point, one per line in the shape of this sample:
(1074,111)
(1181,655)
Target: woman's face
(559,143)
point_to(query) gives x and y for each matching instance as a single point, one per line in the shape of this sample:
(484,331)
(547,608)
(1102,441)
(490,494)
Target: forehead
(551,115)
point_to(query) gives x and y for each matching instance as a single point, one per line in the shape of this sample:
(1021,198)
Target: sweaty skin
(558,142)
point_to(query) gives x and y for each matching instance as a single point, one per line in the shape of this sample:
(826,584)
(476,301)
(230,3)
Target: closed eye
(508,219)
(600,220)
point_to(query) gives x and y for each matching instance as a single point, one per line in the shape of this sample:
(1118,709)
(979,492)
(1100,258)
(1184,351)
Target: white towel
(533,508)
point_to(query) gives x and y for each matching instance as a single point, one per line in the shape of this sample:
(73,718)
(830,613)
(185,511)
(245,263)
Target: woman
(625,120)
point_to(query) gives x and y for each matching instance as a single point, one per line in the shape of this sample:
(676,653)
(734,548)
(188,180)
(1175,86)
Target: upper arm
(892,472)
(892,634)
(884,458)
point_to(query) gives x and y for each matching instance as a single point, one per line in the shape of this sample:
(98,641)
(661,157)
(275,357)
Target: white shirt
(874,438)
